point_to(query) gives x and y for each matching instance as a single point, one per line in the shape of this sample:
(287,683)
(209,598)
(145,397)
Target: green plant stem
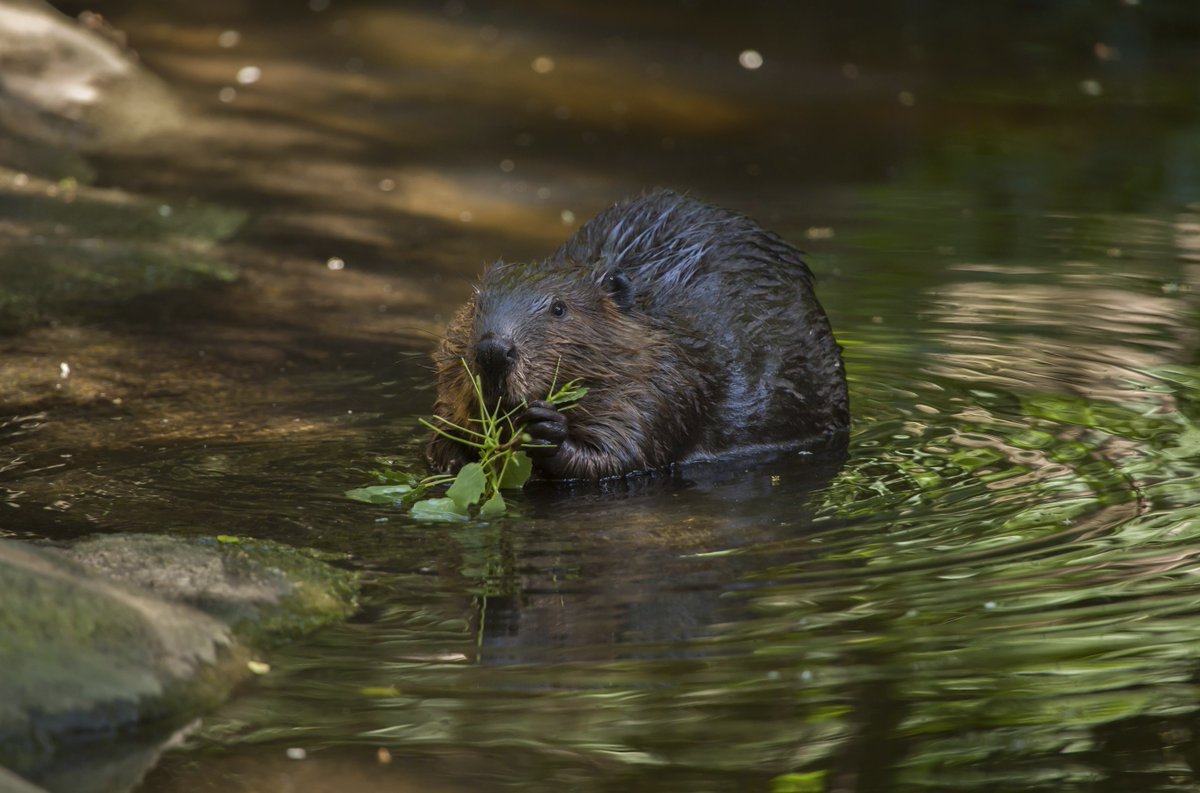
(452,425)
(498,438)
(455,438)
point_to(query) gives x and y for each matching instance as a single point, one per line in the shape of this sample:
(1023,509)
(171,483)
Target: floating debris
(750,59)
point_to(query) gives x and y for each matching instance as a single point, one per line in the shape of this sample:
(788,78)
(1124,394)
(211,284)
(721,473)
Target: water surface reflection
(993,588)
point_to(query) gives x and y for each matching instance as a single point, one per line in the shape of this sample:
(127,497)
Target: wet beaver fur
(696,332)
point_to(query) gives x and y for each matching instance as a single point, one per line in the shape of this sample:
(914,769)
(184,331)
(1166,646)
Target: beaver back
(739,301)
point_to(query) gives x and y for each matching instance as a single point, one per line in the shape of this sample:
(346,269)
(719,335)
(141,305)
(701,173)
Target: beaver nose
(495,356)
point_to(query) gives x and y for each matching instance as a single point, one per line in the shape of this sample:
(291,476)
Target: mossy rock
(120,633)
(70,251)
(264,591)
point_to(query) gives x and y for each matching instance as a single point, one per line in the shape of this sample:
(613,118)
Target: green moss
(120,630)
(69,250)
(264,591)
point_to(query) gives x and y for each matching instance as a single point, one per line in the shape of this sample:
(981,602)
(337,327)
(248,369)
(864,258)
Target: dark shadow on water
(627,569)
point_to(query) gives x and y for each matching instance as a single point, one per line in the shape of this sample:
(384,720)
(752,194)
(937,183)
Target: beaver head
(529,326)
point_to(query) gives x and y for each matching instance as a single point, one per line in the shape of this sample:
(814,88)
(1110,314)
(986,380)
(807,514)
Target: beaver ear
(620,288)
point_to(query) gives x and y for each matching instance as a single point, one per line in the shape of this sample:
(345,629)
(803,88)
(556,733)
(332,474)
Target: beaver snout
(495,357)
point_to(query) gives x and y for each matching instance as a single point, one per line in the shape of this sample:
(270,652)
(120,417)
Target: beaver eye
(558,308)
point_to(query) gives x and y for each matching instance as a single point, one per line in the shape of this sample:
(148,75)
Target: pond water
(998,586)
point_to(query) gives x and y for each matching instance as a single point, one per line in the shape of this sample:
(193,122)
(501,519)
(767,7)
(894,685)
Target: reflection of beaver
(696,332)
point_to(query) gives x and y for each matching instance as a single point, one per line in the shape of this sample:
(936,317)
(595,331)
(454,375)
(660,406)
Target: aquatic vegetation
(476,488)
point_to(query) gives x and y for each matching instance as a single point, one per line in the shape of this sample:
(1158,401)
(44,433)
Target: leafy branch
(476,487)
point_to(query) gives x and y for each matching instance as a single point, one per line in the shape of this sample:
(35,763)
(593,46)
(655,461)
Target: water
(996,589)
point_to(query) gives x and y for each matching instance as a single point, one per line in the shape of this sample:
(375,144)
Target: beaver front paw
(546,426)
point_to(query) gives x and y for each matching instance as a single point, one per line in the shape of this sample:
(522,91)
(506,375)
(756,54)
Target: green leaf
(229,539)
(389,475)
(571,395)
(812,782)
(567,393)
(494,507)
(518,471)
(379,494)
(439,509)
(379,692)
(468,486)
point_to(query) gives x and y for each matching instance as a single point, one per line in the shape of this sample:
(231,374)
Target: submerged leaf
(379,494)
(440,509)
(379,692)
(811,782)
(389,474)
(468,485)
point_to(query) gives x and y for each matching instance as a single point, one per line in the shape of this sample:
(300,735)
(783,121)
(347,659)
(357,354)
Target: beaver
(697,333)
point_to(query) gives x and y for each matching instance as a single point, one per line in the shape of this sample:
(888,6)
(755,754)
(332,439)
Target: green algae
(68,250)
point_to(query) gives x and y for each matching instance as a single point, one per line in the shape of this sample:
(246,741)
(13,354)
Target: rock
(69,251)
(11,783)
(264,591)
(82,655)
(128,636)
(66,85)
